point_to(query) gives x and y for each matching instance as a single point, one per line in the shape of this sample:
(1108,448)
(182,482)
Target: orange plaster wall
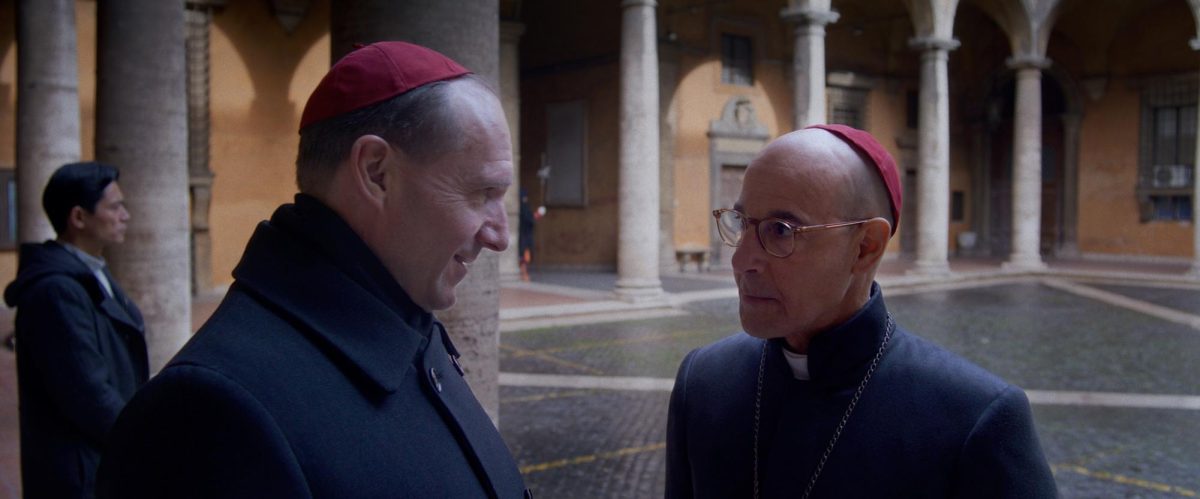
(702,97)
(261,77)
(574,236)
(1108,165)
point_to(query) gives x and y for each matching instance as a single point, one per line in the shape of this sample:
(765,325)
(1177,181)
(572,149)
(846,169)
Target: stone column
(808,63)
(637,240)
(1027,165)
(141,127)
(200,176)
(47,106)
(933,156)
(510,99)
(1069,246)
(474,322)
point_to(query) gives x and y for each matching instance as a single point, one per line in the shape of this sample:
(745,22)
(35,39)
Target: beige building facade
(1026,129)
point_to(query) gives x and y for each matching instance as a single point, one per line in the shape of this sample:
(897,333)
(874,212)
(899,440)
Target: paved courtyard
(1111,367)
(1108,358)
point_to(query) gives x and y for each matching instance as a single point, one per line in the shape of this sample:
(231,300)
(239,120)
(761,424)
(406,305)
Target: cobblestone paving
(609,443)
(1184,300)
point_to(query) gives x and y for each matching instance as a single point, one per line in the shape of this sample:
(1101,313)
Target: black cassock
(929,423)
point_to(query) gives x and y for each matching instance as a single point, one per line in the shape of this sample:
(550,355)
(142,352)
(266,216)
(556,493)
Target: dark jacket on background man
(928,424)
(317,376)
(81,355)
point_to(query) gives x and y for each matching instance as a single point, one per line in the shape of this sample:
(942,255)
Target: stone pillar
(1027,165)
(200,176)
(808,63)
(141,127)
(637,240)
(510,99)
(47,106)
(933,157)
(1069,244)
(474,322)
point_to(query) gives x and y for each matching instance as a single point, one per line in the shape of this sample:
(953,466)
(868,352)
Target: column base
(639,290)
(930,268)
(1023,263)
(1194,273)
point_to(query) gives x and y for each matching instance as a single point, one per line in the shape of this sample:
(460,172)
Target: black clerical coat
(315,377)
(81,354)
(929,423)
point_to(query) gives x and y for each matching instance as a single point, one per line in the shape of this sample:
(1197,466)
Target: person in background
(80,341)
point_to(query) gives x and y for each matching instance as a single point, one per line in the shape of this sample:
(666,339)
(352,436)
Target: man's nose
(494,233)
(749,254)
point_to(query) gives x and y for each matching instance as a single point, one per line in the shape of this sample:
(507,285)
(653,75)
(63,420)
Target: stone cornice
(638,3)
(1027,61)
(806,16)
(924,43)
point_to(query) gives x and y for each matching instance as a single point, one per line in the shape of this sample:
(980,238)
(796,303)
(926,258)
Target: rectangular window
(957,212)
(564,166)
(1168,150)
(8,209)
(737,60)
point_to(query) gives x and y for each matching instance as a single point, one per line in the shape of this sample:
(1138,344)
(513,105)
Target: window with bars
(737,60)
(1168,150)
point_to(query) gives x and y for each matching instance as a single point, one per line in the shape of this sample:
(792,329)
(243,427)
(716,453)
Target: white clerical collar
(798,363)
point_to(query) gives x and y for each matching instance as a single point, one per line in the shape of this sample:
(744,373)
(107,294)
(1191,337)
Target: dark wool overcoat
(316,376)
(928,424)
(81,355)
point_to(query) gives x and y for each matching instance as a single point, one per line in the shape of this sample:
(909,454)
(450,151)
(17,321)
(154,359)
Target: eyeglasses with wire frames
(776,236)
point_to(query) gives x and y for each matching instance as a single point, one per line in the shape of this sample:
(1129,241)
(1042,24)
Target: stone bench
(692,253)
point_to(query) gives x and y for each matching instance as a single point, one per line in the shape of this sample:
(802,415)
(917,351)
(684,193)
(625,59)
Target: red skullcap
(373,74)
(884,164)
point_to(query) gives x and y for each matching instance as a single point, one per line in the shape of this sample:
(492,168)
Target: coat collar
(313,267)
(839,357)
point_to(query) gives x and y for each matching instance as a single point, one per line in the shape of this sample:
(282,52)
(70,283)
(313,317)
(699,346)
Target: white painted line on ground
(1036,397)
(1139,306)
(1106,399)
(588,382)
(565,319)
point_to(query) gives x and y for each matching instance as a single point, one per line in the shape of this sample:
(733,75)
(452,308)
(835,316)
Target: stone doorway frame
(734,139)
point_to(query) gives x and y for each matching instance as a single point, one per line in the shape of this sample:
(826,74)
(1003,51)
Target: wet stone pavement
(583,442)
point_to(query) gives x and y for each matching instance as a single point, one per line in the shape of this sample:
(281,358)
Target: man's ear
(369,167)
(75,218)
(873,243)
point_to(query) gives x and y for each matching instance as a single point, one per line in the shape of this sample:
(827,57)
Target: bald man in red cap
(825,395)
(323,372)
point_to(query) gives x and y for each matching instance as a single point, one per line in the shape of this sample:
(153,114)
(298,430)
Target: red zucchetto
(882,159)
(374,73)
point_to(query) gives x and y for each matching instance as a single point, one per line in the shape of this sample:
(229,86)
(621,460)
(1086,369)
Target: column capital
(205,4)
(807,16)
(1027,61)
(638,3)
(924,43)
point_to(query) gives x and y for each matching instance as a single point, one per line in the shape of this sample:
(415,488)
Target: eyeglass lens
(776,237)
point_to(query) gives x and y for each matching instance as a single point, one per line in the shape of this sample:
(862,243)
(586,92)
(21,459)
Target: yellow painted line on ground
(521,352)
(1125,480)
(547,396)
(608,343)
(572,461)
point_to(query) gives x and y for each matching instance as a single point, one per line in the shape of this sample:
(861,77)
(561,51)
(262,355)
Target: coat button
(436,378)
